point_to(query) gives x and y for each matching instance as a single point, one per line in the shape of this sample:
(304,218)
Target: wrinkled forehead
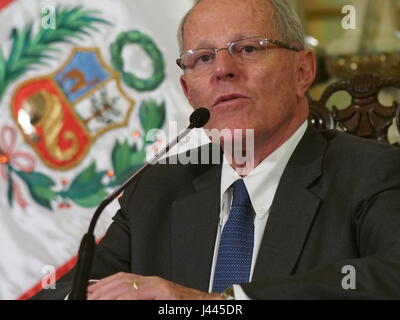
(226,20)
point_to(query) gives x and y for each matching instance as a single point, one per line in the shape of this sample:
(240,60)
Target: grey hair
(285,22)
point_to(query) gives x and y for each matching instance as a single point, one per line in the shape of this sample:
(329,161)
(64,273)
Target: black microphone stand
(86,250)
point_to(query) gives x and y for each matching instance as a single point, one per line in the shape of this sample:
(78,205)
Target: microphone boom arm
(86,250)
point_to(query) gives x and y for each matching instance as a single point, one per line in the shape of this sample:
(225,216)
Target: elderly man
(317,217)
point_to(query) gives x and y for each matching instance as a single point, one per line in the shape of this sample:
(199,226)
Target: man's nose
(225,66)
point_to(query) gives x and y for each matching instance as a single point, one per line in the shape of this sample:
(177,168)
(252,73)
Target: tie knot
(240,195)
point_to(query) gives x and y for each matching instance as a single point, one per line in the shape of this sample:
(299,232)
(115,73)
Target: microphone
(86,250)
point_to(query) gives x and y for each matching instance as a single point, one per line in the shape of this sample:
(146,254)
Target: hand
(127,286)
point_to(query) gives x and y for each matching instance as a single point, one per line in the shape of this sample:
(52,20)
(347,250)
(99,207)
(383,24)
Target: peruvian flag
(82,83)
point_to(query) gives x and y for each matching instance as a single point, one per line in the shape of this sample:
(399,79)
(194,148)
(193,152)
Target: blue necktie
(237,240)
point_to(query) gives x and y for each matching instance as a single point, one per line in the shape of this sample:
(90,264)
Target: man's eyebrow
(203,44)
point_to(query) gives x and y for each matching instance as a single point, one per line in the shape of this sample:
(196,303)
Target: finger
(100,287)
(108,279)
(129,296)
(108,289)
(112,294)
(143,293)
(105,281)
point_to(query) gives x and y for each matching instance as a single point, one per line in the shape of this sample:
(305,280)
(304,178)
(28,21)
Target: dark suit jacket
(337,204)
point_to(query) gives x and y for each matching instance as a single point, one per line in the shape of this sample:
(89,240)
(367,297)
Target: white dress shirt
(261,184)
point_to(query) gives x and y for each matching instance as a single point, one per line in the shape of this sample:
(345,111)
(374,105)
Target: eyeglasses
(243,50)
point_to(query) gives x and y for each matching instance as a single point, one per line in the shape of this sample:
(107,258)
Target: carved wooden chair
(365,116)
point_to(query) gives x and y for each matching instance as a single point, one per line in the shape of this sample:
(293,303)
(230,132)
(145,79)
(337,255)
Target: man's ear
(306,71)
(186,89)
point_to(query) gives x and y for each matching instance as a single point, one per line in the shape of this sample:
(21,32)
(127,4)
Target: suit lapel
(195,219)
(194,225)
(292,211)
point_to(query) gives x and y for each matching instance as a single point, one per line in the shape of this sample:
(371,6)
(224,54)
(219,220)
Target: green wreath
(147,44)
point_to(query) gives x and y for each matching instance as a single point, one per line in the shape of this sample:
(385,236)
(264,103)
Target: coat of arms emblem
(62,113)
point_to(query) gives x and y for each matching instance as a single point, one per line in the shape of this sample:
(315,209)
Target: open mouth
(228,97)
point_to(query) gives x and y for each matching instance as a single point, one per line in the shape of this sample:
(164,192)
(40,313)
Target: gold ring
(135,284)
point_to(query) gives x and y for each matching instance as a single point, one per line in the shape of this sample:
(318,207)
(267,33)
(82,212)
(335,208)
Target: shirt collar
(262,182)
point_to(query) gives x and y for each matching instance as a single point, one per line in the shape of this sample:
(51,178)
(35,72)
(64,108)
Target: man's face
(265,89)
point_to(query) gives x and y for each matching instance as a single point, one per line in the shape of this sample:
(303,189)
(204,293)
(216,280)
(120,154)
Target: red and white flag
(81,84)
